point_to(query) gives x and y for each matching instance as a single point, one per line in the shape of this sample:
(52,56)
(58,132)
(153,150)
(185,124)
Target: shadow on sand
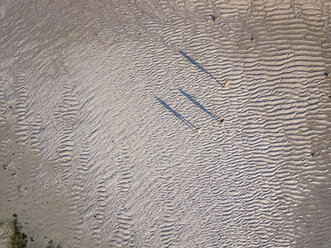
(186,122)
(195,63)
(191,98)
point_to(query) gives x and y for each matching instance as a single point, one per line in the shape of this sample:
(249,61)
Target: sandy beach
(187,123)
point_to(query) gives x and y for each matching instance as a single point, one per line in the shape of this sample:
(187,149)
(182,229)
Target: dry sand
(166,123)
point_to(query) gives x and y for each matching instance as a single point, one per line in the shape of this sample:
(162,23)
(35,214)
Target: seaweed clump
(17,239)
(11,233)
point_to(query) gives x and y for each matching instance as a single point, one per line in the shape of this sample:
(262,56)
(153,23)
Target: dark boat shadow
(196,64)
(179,116)
(192,99)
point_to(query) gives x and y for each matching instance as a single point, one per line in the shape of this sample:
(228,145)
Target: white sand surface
(110,122)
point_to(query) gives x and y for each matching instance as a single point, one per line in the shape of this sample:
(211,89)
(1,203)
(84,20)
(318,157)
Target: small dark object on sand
(226,83)
(213,18)
(222,121)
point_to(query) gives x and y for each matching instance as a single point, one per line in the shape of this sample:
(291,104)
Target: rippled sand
(166,123)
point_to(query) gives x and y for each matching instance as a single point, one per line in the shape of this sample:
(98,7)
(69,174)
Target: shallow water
(111,132)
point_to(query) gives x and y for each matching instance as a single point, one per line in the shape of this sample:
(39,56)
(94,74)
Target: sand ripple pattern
(167,123)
